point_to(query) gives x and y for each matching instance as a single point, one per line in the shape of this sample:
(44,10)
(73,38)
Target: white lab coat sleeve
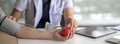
(68,3)
(21,5)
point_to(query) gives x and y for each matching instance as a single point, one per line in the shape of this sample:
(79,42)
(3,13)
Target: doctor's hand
(58,36)
(12,18)
(71,23)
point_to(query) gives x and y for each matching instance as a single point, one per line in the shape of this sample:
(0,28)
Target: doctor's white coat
(55,12)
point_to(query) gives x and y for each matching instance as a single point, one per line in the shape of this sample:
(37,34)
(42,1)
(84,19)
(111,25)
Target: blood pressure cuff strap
(8,26)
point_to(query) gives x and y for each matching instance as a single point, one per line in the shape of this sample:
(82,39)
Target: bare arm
(68,12)
(31,33)
(16,14)
(17,30)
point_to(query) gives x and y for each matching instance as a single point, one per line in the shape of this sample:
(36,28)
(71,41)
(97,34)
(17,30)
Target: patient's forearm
(31,33)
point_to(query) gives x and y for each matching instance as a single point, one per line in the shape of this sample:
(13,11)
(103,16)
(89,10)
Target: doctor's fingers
(72,25)
(75,25)
(12,18)
(69,23)
(70,35)
(73,31)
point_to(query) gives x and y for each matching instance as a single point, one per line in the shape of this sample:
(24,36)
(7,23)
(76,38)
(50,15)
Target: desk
(77,39)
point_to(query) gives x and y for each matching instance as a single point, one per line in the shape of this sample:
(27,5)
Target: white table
(77,39)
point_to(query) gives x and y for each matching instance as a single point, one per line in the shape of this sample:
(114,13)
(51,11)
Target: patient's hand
(58,36)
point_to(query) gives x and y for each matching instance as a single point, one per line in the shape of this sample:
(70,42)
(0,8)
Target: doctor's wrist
(69,17)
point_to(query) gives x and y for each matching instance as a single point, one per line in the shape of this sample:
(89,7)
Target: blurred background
(96,9)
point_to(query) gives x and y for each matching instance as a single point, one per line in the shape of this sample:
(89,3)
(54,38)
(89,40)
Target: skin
(16,14)
(31,33)
(68,15)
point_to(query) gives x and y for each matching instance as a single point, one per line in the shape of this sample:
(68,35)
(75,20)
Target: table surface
(77,39)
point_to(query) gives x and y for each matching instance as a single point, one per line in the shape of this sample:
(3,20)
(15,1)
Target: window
(96,9)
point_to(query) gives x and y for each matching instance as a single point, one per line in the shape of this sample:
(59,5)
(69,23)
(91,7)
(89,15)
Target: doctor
(38,12)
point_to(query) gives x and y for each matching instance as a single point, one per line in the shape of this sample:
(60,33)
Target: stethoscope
(58,11)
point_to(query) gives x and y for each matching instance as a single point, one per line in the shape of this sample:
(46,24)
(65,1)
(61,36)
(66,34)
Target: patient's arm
(31,33)
(12,28)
